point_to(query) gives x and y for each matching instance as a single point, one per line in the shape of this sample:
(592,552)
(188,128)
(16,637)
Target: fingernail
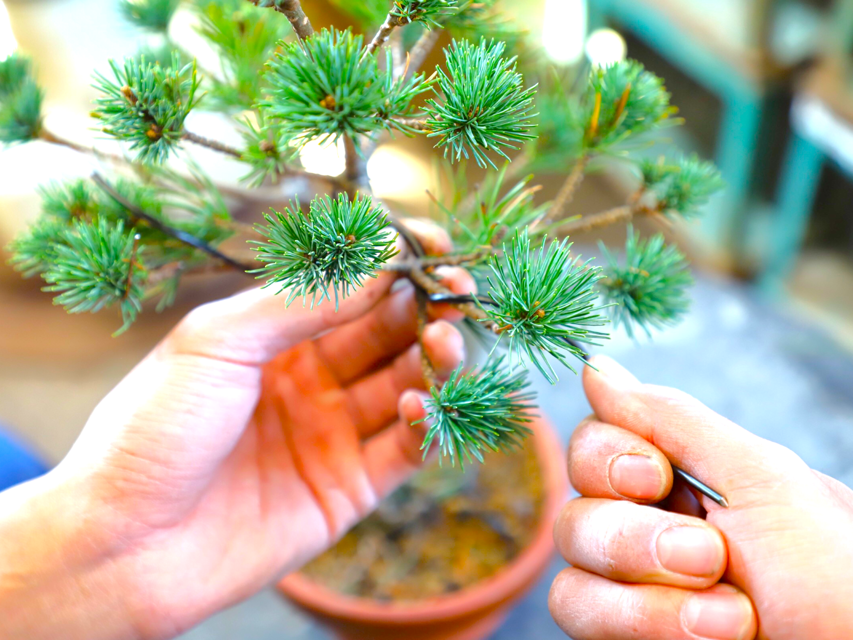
(614,372)
(637,477)
(718,616)
(690,551)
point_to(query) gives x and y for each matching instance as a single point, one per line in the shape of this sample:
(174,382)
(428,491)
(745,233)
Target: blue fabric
(17,463)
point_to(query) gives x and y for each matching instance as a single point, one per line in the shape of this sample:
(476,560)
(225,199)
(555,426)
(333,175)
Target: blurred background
(766,89)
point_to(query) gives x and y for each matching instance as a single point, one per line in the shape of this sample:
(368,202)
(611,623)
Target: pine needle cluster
(265,150)
(544,302)
(484,409)
(326,87)
(146,104)
(154,15)
(485,106)
(95,266)
(623,100)
(428,12)
(649,290)
(327,253)
(244,37)
(20,100)
(683,186)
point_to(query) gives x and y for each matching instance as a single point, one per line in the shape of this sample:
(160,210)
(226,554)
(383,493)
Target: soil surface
(445,530)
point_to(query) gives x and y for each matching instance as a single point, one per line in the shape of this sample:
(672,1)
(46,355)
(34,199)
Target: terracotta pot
(470,614)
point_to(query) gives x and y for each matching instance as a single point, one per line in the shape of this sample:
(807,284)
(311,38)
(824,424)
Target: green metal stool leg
(736,153)
(795,199)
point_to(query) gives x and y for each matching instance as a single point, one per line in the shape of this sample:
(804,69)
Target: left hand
(247,442)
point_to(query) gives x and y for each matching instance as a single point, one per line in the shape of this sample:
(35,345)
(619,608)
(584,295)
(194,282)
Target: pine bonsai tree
(114,241)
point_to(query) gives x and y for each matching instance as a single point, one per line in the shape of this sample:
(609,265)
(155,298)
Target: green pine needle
(245,38)
(146,104)
(501,208)
(484,409)
(96,266)
(684,186)
(485,107)
(20,100)
(478,19)
(428,12)
(34,250)
(154,15)
(325,88)
(621,101)
(543,300)
(327,253)
(266,150)
(650,289)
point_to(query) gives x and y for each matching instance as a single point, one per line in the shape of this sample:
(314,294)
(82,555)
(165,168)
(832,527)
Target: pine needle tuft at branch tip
(154,15)
(427,12)
(484,409)
(146,104)
(650,289)
(20,100)
(622,100)
(328,252)
(544,302)
(682,186)
(482,105)
(324,87)
(97,265)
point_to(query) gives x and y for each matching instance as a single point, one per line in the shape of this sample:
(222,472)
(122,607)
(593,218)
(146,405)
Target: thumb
(715,450)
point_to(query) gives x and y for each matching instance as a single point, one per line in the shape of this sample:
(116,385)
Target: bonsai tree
(125,236)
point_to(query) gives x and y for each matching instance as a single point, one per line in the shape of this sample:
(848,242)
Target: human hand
(247,442)
(776,564)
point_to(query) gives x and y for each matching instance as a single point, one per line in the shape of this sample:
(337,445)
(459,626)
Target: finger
(253,327)
(611,462)
(633,543)
(388,329)
(589,607)
(703,443)
(434,239)
(393,455)
(458,280)
(373,400)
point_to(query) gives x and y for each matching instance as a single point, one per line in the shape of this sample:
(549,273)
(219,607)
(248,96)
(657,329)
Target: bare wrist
(58,571)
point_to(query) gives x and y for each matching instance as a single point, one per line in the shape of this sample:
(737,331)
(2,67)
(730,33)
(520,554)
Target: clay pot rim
(489,593)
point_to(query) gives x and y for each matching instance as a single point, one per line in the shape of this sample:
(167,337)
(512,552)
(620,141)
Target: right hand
(777,564)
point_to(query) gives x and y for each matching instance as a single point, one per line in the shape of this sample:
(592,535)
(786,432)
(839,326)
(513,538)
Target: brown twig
(381,37)
(292,10)
(178,234)
(212,144)
(601,219)
(399,57)
(427,367)
(456,259)
(52,138)
(415,123)
(568,190)
(420,51)
(356,167)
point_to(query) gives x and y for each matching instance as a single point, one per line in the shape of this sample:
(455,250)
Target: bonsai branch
(567,192)
(606,218)
(381,37)
(182,236)
(427,367)
(420,51)
(52,138)
(292,10)
(212,144)
(415,123)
